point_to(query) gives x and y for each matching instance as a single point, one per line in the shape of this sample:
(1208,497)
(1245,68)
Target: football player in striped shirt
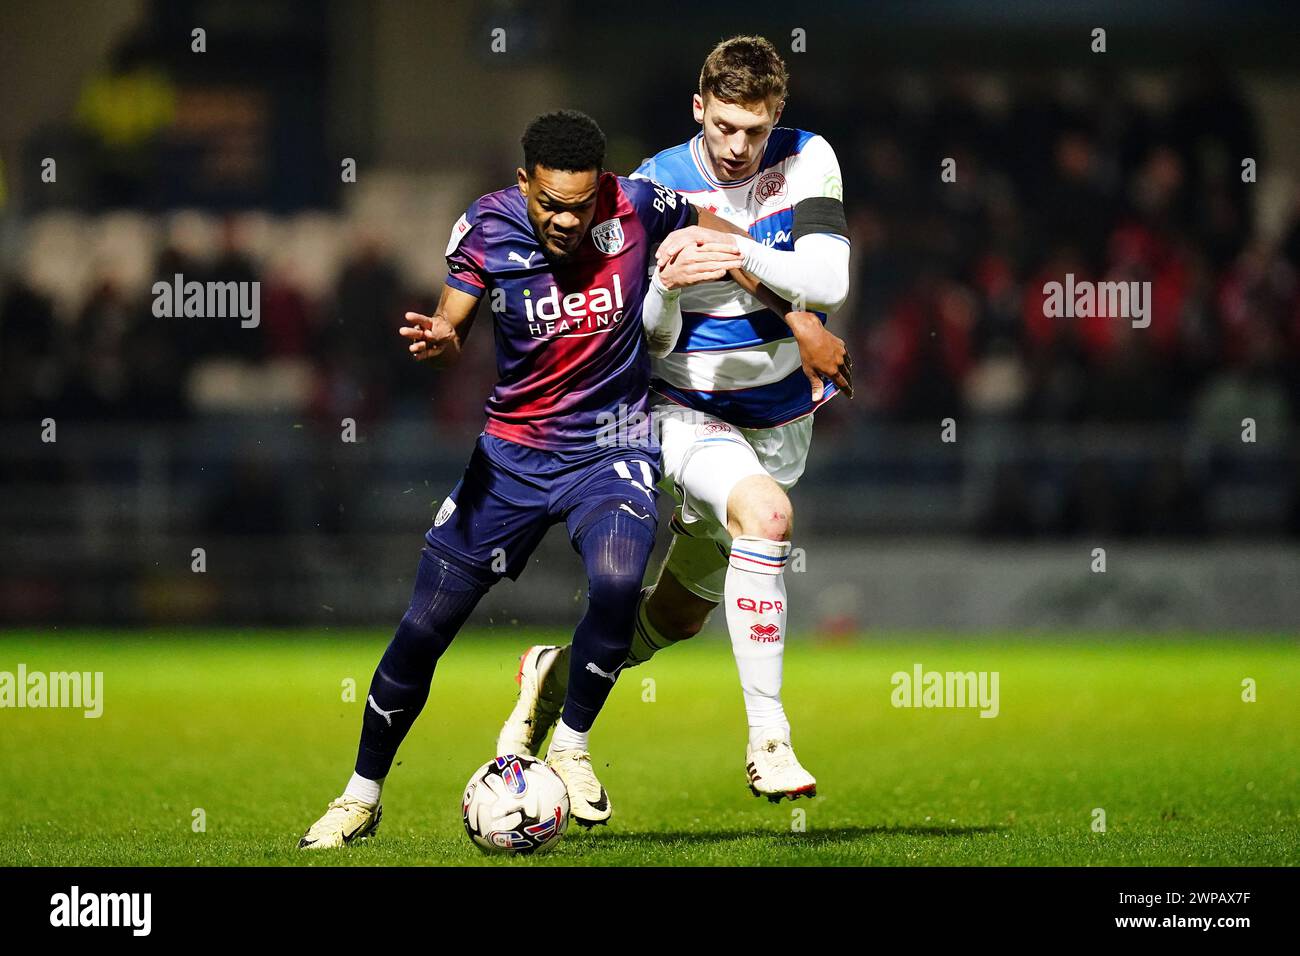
(734,388)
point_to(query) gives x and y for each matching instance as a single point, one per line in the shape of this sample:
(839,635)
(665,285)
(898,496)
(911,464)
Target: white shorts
(704,458)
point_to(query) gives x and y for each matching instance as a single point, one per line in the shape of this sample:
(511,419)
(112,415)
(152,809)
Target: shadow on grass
(813,836)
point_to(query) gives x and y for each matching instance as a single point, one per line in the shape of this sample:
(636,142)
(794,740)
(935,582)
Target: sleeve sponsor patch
(458,232)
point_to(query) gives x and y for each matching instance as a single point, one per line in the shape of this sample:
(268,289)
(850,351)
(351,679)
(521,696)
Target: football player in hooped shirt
(564,260)
(734,389)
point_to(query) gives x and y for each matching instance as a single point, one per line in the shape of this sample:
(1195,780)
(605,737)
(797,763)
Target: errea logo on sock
(74,908)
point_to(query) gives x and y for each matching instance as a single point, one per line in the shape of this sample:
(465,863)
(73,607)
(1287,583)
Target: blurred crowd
(1053,175)
(1077,179)
(329,355)
(947,311)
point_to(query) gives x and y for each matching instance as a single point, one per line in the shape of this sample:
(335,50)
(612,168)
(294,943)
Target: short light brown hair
(743,70)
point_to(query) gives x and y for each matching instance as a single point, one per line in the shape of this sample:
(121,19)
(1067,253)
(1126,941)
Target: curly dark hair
(566,139)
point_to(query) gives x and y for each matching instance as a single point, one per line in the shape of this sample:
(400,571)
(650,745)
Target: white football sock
(363,789)
(756,616)
(566,738)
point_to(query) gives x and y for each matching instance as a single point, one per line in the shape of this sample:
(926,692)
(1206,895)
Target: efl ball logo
(770,188)
(512,772)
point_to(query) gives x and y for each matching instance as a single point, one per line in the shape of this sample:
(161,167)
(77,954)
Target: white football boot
(775,772)
(588,802)
(347,820)
(543,680)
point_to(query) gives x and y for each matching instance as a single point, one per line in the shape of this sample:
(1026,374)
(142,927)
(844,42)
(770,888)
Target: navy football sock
(615,550)
(443,598)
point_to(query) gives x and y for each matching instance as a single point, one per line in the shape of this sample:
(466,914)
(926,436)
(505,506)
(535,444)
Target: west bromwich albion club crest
(445,512)
(608,236)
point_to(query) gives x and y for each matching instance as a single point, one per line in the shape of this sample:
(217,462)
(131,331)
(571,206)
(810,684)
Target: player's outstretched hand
(429,335)
(822,353)
(681,239)
(696,263)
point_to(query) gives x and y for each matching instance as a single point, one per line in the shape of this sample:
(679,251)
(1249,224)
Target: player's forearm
(761,292)
(799,322)
(446,352)
(815,274)
(661,316)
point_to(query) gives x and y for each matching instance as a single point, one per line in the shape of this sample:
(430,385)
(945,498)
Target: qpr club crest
(608,236)
(770,188)
(705,429)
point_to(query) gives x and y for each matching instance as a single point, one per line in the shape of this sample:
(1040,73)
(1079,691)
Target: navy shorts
(511,494)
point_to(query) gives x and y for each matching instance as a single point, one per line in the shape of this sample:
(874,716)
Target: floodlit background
(176,434)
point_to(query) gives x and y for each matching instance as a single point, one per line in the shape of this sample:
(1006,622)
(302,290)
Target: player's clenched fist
(696,263)
(429,335)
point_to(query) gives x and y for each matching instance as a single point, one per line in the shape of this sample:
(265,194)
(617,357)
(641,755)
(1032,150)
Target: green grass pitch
(252,728)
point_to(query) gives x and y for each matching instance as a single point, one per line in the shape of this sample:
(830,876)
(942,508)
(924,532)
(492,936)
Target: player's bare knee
(758,507)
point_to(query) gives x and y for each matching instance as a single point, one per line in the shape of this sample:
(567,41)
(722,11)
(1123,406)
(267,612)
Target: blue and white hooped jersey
(735,358)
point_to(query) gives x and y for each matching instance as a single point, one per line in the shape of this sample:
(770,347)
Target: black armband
(694,215)
(819,214)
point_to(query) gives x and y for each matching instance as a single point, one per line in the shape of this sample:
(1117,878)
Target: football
(515,805)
